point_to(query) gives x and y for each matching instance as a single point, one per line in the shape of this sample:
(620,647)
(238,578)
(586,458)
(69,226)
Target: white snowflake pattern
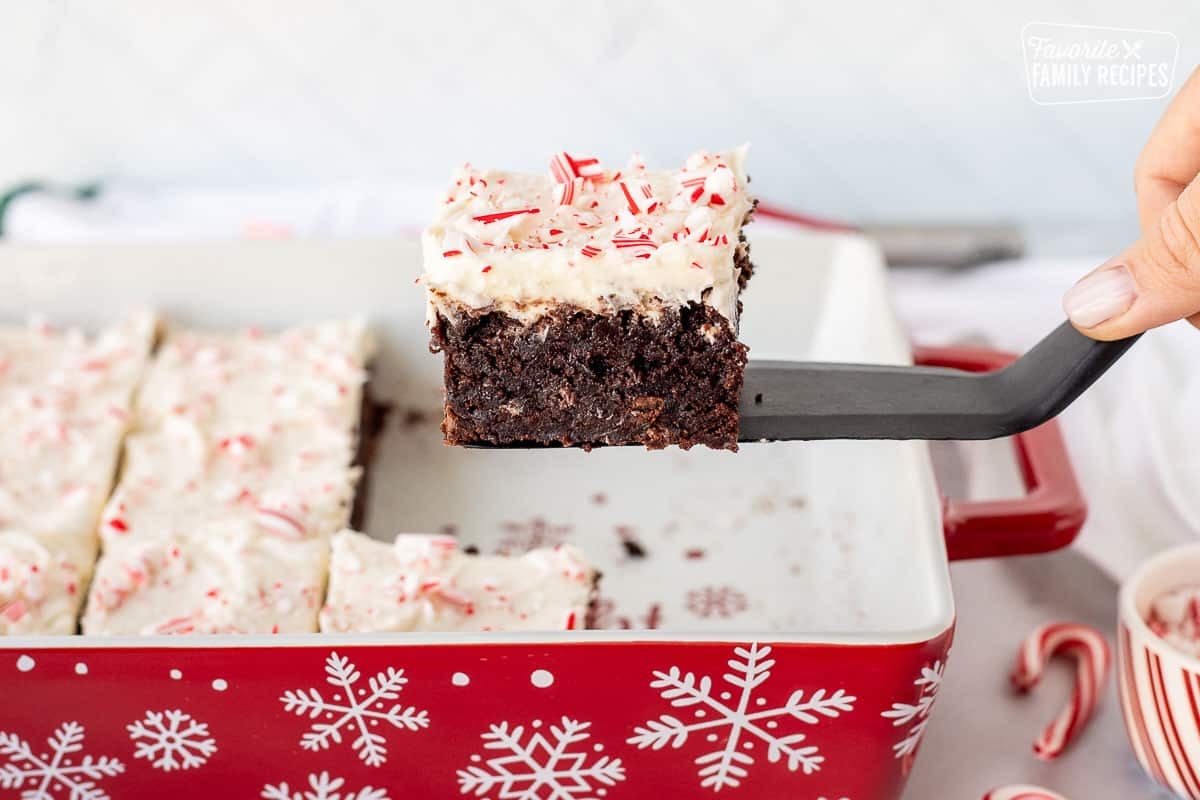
(322,787)
(41,775)
(915,715)
(737,720)
(171,739)
(541,768)
(355,708)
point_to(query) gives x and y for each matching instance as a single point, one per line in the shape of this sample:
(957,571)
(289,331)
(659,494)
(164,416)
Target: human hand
(1157,280)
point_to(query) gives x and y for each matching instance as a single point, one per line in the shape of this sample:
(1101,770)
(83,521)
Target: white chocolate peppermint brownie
(424,582)
(42,582)
(212,581)
(592,238)
(248,428)
(64,408)
(311,374)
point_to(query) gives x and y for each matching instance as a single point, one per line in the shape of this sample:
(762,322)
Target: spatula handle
(1048,378)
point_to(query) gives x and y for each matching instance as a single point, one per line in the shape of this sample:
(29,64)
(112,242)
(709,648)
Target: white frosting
(248,428)
(224,580)
(424,582)
(64,407)
(596,252)
(310,374)
(41,586)
(1175,616)
(180,476)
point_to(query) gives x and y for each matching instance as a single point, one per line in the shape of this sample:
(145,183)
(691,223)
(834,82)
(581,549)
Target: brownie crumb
(633,548)
(797,502)
(471,550)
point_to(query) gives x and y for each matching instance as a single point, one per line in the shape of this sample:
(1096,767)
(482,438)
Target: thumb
(1154,282)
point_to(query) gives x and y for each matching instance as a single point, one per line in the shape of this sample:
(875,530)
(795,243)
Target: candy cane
(1022,792)
(1092,658)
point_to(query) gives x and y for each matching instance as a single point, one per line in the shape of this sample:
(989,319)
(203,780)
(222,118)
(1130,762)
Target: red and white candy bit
(639,196)
(1022,792)
(496,216)
(564,167)
(1092,659)
(1175,617)
(280,522)
(566,192)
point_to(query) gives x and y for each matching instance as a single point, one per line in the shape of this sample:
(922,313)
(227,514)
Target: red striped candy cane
(1022,792)
(1092,659)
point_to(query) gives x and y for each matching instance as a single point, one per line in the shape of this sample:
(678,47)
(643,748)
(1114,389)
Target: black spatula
(785,401)
(793,400)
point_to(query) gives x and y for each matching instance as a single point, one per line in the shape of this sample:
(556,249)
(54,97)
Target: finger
(1152,283)
(1171,158)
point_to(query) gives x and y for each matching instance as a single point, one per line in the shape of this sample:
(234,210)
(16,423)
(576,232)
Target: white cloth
(1134,437)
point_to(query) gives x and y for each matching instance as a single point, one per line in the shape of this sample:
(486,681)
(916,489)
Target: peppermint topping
(595,238)
(423,582)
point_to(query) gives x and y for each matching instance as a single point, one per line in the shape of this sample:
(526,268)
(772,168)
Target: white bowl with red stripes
(1160,685)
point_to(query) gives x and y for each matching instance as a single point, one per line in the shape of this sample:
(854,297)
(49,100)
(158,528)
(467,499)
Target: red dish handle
(1047,518)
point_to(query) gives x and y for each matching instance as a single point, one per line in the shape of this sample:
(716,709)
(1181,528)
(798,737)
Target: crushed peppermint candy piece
(496,216)
(564,168)
(1175,617)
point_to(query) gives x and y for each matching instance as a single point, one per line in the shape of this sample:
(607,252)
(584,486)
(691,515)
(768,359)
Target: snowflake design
(728,764)
(541,768)
(715,601)
(915,715)
(354,708)
(521,537)
(173,740)
(40,775)
(322,787)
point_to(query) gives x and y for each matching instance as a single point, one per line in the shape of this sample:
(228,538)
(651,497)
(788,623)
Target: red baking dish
(777,622)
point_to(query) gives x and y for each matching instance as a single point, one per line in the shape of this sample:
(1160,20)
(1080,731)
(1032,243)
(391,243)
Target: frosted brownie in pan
(215,579)
(424,582)
(591,306)
(64,407)
(245,427)
(243,454)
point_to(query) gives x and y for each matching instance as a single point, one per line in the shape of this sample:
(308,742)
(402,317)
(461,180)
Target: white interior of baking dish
(826,541)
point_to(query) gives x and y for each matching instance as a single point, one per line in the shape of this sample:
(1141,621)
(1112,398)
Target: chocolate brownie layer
(577,377)
(372,419)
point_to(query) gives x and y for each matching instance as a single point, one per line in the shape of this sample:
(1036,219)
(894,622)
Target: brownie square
(590,307)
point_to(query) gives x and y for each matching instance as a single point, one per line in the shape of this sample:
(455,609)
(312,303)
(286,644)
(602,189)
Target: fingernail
(1100,296)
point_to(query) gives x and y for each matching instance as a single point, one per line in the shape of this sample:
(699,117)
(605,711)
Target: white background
(855,109)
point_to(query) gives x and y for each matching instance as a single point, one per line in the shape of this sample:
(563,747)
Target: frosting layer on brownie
(583,236)
(42,581)
(211,581)
(247,428)
(426,583)
(64,407)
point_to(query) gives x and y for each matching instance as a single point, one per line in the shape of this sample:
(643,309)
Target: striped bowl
(1159,685)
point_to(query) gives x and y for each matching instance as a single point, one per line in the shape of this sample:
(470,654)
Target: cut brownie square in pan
(65,403)
(425,582)
(589,306)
